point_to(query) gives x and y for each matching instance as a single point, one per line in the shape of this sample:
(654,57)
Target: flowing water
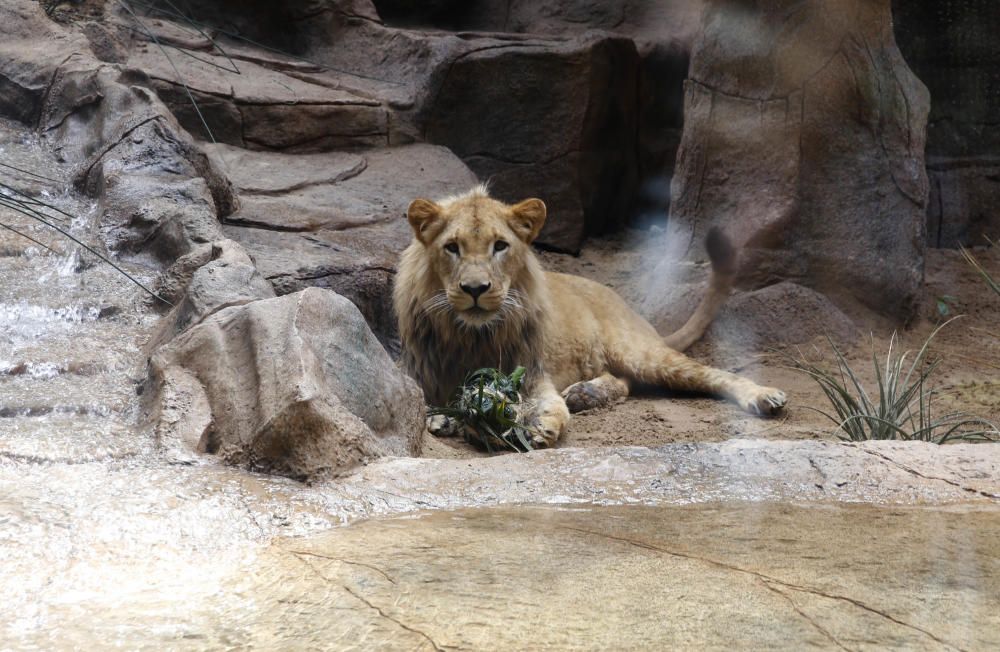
(71,327)
(105,544)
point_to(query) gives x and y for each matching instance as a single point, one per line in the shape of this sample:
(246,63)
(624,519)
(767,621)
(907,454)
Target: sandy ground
(967,380)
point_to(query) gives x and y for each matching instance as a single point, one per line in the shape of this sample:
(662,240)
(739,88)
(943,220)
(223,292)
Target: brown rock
(249,104)
(804,141)
(296,385)
(205,281)
(31,50)
(779,315)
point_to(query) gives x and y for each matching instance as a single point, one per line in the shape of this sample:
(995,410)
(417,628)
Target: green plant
(902,408)
(490,409)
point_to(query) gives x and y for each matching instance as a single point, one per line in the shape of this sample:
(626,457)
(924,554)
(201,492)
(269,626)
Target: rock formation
(804,139)
(296,385)
(952,46)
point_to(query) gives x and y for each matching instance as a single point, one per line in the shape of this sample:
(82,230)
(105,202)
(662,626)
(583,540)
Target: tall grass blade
(13,205)
(903,410)
(27,237)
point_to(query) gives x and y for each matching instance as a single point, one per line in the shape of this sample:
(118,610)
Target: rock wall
(952,45)
(103,105)
(804,140)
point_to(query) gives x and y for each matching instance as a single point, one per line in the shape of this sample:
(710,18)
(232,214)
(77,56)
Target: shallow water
(71,327)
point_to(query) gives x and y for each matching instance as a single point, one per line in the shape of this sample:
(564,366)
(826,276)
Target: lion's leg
(597,392)
(550,413)
(657,364)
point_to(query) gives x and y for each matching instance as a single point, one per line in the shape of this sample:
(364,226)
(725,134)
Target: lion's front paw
(442,426)
(546,430)
(764,401)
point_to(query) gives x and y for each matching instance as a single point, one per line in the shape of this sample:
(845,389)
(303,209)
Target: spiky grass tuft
(902,407)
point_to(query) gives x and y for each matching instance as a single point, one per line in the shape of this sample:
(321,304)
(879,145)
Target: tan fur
(574,336)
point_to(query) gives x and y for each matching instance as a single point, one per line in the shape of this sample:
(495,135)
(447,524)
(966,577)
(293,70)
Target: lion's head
(469,292)
(476,248)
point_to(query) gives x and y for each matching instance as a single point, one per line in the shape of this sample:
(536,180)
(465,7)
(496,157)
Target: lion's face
(477,247)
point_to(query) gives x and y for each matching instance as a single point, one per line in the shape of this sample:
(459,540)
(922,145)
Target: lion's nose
(476,290)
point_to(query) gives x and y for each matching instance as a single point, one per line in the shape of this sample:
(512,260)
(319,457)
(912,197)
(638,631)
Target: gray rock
(296,385)
(212,277)
(964,203)
(779,315)
(336,220)
(804,140)
(248,104)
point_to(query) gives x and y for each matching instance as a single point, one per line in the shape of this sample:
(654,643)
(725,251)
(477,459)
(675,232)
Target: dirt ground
(967,380)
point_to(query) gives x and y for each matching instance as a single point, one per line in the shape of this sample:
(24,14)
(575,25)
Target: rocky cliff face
(804,139)
(952,46)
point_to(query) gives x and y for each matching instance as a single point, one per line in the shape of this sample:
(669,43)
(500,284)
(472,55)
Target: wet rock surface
(296,385)
(112,534)
(677,530)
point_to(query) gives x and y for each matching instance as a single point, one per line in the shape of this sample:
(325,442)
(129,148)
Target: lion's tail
(724,265)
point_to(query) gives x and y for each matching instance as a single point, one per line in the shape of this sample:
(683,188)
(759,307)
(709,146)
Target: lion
(470,293)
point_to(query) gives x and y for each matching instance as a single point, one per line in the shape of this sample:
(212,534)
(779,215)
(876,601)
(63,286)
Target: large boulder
(804,140)
(296,385)
(554,119)
(952,46)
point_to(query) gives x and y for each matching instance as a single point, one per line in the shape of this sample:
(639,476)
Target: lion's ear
(527,219)
(425,219)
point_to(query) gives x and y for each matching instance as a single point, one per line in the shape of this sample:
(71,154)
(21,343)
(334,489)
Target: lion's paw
(546,431)
(765,402)
(442,426)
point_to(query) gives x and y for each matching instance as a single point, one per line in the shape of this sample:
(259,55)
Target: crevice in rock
(368,603)
(346,561)
(48,90)
(264,147)
(395,620)
(918,474)
(767,578)
(97,157)
(546,161)
(325,274)
(819,628)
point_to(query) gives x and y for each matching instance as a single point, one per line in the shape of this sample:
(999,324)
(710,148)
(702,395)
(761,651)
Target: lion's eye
(499,246)
(451,248)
